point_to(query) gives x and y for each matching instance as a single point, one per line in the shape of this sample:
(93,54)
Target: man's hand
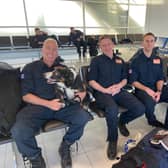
(55,104)
(81,95)
(151,93)
(115,89)
(157,96)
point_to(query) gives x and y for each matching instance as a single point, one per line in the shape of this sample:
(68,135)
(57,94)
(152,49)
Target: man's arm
(54,104)
(140,86)
(95,85)
(159,85)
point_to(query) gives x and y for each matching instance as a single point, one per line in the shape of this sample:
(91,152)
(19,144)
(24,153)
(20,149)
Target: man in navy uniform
(42,106)
(108,76)
(146,75)
(77,37)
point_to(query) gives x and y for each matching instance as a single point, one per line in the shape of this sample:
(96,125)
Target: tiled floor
(92,145)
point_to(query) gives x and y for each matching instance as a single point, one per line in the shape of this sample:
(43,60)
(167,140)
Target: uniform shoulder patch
(118,61)
(156,61)
(22,76)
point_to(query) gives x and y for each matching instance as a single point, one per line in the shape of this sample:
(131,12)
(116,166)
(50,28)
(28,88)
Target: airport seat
(5,42)
(20,42)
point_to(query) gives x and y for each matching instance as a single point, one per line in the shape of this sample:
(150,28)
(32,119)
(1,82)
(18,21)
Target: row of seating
(7,42)
(16,42)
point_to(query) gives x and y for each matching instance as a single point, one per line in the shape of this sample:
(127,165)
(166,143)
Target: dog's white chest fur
(70,93)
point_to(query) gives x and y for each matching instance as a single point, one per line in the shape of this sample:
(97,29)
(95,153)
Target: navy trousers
(31,118)
(149,103)
(110,104)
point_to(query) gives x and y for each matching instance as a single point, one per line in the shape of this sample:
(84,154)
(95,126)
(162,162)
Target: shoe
(123,129)
(157,124)
(34,163)
(65,154)
(112,150)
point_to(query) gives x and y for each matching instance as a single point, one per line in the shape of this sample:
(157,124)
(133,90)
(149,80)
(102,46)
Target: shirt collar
(113,58)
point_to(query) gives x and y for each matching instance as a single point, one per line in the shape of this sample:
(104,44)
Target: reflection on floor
(92,146)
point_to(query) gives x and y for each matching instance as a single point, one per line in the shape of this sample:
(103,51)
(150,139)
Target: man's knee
(81,117)
(140,109)
(21,130)
(111,111)
(150,105)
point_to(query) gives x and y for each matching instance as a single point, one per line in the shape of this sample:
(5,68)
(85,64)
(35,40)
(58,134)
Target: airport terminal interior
(125,21)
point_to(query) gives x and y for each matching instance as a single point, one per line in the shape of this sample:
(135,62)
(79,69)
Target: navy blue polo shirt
(33,81)
(146,70)
(107,71)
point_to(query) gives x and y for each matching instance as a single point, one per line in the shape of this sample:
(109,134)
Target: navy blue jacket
(33,80)
(107,71)
(146,70)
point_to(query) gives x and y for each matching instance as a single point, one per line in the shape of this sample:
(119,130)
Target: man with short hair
(108,76)
(146,75)
(42,106)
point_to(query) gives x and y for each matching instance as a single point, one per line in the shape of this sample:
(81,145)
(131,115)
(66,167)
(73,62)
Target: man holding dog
(108,76)
(42,106)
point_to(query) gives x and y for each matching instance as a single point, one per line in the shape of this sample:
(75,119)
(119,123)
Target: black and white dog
(67,82)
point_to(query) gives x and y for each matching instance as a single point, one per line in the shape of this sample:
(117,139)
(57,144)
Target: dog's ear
(69,77)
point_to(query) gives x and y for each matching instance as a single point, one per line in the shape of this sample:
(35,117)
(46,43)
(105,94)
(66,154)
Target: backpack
(144,155)
(10,97)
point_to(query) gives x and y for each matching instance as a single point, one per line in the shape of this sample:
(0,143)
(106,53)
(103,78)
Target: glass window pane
(108,1)
(135,30)
(51,31)
(12,13)
(106,15)
(138,1)
(54,13)
(101,31)
(122,1)
(13,31)
(137,19)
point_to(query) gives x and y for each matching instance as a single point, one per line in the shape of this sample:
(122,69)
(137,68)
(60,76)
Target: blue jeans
(31,118)
(110,105)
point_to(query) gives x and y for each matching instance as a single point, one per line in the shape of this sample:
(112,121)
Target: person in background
(146,75)
(39,38)
(77,37)
(43,106)
(107,76)
(92,42)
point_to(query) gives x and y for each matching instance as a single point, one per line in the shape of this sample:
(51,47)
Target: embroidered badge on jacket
(118,61)
(156,61)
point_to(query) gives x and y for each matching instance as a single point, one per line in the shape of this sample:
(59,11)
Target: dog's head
(61,75)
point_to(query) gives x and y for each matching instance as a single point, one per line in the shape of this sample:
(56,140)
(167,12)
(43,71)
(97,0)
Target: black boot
(35,163)
(65,154)
(112,150)
(123,129)
(156,123)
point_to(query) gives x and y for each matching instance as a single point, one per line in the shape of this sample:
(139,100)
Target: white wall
(157,17)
